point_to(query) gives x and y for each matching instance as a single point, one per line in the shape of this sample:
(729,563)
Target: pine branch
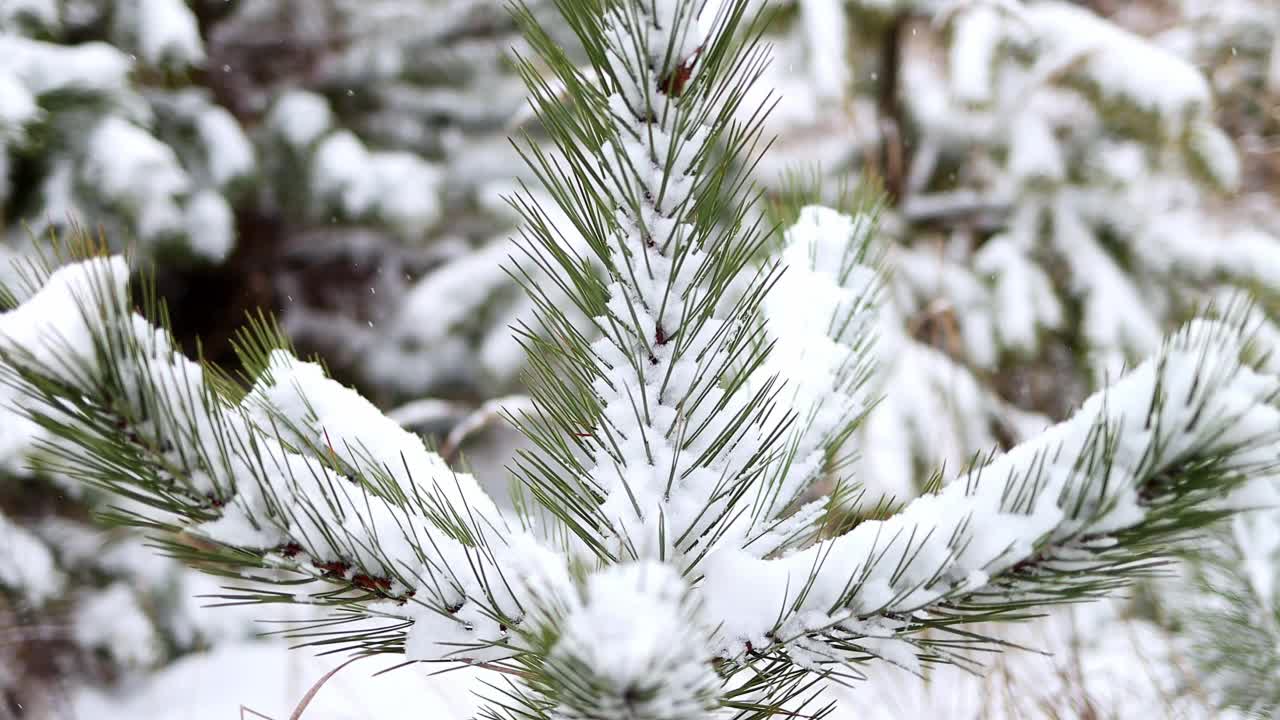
(1226,604)
(677,438)
(1071,515)
(300,477)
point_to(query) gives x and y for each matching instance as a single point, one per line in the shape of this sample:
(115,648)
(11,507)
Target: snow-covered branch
(301,475)
(1065,515)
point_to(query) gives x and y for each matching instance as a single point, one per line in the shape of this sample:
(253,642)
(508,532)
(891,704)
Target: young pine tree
(695,389)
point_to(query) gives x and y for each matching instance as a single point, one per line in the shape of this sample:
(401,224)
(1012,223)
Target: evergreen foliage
(696,388)
(1054,214)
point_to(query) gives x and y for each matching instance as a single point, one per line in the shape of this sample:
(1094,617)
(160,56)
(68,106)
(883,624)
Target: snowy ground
(267,679)
(1129,670)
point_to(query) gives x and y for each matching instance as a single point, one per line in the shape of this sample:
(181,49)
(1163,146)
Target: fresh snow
(211,225)
(43,12)
(822,317)
(395,185)
(129,166)
(300,117)
(1119,63)
(45,67)
(230,154)
(951,542)
(168,33)
(27,566)
(112,619)
(1118,217)
(17,106)
(271,679)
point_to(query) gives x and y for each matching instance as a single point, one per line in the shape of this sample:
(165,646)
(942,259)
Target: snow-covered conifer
(678,548)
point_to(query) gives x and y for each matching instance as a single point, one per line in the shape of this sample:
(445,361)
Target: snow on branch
(631,645)
(1066,515)
(302,475)
(27,566)
(820,319)
(666,428)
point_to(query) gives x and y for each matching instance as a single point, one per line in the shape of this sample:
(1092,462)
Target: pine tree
(671,554)
(87,136)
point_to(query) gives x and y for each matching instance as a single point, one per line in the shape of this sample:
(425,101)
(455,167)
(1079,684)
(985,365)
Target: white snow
(1217,153)
(936,544)
(820,314)
(1087,657)
(342,171)
(1116,319)
(926,276)
(1073,190)
(230,154)
(370,536)
(210,225)
(824,25)
(27,566)
(301,117)
(1024,295)
(5,189)
(18,433)
(17,106)
(422,343)
(1120,64)
(398,187)
(1034,152)
(634,632)
(130,167)
(168,33)
(976,32)
(272,679)
(42,12)
(406,191)
(113,620)
(49,327)
(46,67)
